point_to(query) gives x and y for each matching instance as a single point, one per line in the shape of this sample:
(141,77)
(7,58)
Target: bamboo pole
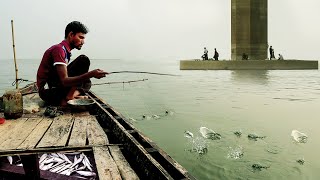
(14,55)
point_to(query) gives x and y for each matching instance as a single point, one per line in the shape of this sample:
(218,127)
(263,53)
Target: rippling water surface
(265,103)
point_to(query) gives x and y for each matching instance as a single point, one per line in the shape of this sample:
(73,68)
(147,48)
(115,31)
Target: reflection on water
(253,76)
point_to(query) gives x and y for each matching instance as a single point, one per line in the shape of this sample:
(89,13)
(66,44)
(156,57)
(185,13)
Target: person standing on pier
(205,54)
(271,51)
(216,55)
(58,80)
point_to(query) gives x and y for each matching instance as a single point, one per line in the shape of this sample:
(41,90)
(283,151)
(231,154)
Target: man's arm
(73,81)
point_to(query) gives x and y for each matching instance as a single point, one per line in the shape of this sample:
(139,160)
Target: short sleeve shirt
(58,54)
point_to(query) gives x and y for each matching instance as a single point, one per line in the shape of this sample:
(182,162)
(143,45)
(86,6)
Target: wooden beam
(106,167)
(31,166)
(51,149)
(124,167)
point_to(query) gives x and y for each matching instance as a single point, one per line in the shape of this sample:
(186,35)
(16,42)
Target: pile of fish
(60,163)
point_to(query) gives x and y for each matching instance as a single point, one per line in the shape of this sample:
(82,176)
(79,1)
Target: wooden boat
(114,146)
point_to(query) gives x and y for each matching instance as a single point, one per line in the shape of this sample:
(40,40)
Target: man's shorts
(54,96)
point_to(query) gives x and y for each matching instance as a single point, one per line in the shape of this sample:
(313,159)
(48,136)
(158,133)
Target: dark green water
(267,103)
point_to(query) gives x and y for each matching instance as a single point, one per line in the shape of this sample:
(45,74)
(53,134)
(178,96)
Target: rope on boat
(18,81)
(143,72)
(118,82)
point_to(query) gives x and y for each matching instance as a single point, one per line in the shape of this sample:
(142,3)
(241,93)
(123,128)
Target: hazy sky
(153,29)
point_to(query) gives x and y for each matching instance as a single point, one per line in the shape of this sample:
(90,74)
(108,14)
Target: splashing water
(209,133)
(200,145)
(299,136)
(235,153)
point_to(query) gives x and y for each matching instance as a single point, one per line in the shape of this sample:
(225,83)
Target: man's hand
(98,73)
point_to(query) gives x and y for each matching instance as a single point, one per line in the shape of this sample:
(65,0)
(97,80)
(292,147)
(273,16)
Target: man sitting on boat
(58,80)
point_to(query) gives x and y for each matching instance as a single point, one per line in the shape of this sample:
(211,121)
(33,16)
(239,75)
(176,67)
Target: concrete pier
(248,65)
(249,29)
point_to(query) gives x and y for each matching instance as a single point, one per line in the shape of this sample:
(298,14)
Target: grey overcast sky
(153,29)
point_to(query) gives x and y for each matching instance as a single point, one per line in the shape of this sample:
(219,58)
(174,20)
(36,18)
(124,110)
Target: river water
(265,103)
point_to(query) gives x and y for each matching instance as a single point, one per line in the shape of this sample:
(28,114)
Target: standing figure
(271,51)
(58,80)
(205,54)
(216,55)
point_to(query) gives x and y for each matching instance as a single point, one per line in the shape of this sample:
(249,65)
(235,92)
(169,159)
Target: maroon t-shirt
(47,73)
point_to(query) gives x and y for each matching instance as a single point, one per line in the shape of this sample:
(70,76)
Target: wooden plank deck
(35,133)
(106,166)
(68,130)
(58,133)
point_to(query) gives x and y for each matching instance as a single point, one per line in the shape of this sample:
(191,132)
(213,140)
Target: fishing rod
(142,72)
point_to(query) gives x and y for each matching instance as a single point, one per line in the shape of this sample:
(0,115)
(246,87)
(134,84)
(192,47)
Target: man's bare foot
(64,103)
(81,97)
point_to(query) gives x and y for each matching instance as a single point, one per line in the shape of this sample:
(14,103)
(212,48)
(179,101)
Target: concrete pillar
(249,29)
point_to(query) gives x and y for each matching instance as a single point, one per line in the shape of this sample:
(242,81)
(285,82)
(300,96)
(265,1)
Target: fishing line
(143,103)
(153,92)
(122,105)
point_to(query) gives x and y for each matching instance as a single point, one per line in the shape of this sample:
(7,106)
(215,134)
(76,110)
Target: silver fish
(41,166)
(87,160)
(64,168)
(64,157)
(79,177)
(10,159)
(55,155)
(77,161)
(43,157)
(81,168)
(57,166)
(86,164)
(188,134)
(46,167)
(19,164)
(156,116)
(68,173)
(52,159)
(65,172)
(86,173)
(255,137)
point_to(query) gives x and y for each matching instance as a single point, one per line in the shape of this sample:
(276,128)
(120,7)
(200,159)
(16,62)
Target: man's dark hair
(75,27)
